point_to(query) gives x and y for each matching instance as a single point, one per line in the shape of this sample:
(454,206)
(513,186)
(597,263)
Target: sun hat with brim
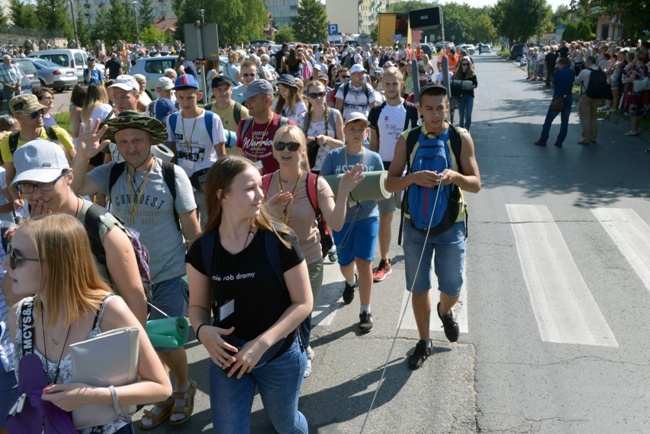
(138,121)
(357,116)
(288,80)
(26,103)
(39,161)
(125,82)
(257,87)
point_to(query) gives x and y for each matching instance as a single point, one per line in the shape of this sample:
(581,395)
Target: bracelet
(198,329)
(116,405)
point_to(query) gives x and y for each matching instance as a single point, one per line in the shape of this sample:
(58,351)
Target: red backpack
(326,241)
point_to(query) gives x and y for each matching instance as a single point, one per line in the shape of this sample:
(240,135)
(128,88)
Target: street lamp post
(137,29)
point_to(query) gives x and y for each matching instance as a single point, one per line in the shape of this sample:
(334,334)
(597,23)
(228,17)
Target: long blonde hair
(299,136)
(220,178)
(95,97)
(73,284)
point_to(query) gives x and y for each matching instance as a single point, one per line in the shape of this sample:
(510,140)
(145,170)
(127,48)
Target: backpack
(31,414)
(326,241)
(236,113)
(365,86)
(410,121)
(249,120)
(169,177)
(348,61)
(13,138)
(91,222)
(208,117)
(598,87)
(313,147)
(418,202)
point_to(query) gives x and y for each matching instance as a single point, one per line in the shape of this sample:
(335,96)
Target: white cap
(357,116)
(165,83)
(356,68)
(126,82)
(39,161)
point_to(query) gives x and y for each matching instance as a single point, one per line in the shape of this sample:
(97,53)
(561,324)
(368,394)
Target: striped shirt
(6,346)
(10,74)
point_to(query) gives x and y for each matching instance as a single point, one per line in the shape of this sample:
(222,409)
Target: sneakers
(382,270)
(348,292)
(420,354)
(540,143)
(365,322)
(310,357)
(450,325)
(332,255)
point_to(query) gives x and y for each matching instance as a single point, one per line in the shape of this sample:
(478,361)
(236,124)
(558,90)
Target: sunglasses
(36,114)
(315,95)
(248,75)
(464,64)
(16,258)
(28,188)
(345,76)
(291,146)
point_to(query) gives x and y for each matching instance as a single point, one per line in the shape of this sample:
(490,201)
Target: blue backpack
(420,202)
(209,118)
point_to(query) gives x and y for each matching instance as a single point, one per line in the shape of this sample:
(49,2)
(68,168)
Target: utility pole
(74,24)
(137,29)
(539,22)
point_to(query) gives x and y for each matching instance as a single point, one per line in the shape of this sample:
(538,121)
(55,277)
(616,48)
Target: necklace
(58,363)
(188,143)
(287,208)
(134,206)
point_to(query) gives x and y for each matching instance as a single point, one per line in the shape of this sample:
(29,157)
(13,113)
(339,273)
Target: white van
(71,58)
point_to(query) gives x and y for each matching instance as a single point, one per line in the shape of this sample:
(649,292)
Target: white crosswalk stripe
(564,308)
(631,235)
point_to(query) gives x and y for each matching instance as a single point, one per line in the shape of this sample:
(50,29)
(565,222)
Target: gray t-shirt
(153,217)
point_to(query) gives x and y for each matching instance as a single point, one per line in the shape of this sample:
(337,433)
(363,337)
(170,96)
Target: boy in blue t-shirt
(357,238)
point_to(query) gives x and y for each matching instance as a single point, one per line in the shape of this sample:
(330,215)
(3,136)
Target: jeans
(465,110)
(564,127)
(278,383)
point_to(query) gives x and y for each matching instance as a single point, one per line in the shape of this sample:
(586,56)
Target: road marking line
(631,235)
(329,300)
(460,309)
(564,308)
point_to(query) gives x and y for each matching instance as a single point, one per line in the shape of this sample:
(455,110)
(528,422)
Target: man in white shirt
(587,107)
(355,95)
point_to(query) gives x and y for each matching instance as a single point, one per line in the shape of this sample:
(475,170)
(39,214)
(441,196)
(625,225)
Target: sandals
(157,419)
(632,134)
(188,408)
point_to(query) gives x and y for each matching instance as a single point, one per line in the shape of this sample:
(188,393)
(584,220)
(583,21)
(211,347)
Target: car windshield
(46,63)
(26,66)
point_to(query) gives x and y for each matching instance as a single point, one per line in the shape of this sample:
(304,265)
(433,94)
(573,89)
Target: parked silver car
(55,76)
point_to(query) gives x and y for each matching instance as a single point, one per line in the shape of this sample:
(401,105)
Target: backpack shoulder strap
(312,191)
(283,121)
(172,121)
(412,115)
(13,141)
(367,89)
(169,176)
(346,89)
(152,109)
(237,112)
(116,171)
(266,183)
(209,119)
(91,223)
(27,325)
(247,124)
(207,249)
(411,140)
(456,144)
(51,134)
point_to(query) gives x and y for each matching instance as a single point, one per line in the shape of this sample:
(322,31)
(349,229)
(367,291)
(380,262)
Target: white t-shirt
(356,99)
(299,109)
(101,112)
(3,199)
(194,149)
(390,126)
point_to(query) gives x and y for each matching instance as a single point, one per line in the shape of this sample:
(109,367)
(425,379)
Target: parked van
(68,57)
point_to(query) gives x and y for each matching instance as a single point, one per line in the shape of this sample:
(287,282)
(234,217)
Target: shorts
(387,206)
(357,240)
(8,393)
(449,248)
(170,297)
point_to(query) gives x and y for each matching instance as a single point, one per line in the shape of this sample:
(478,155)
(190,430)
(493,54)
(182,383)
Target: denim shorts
(357,240)
(449,248)
(169,296)
(8,393)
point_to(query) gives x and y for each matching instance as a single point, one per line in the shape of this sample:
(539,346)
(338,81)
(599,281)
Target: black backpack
(598,87)
(365,86)
(411,120)
(13,138)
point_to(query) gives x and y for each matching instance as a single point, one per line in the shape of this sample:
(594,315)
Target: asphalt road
(555,337)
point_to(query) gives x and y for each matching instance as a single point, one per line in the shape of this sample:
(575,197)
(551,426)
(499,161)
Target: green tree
(23,14)
(3,18)
(310,25)
(146,14)
(53,15)
(83,31)
(284,34)
(633,14)
(562,15)
(374,33)
(119,22)
(517,20)
(483,29)
(100,29)
(404,7)
(150,35)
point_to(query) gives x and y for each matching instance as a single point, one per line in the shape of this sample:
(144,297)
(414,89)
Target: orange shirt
(453,60)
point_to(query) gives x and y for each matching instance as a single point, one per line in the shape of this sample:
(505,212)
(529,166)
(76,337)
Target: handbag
(641,84)
(557,103)
(108,359)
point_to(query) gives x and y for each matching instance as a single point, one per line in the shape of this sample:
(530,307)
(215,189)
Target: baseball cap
(165,83)
(356,68)
(257,87)
(91,58)
(432,86)
(186,81)
(39,161)
(138,121)
(25,103)
(126,82)
(357,116)
(287,80)
(220,80)
(164,107)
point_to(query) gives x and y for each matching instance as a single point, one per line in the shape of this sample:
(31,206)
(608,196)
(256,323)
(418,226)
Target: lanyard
(189,142)
(134,207)
(259,142)
(289,206)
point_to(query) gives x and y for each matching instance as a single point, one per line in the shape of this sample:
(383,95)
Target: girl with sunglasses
(322,125)
(289,201)
(465,71)
(258,300)
(51,267)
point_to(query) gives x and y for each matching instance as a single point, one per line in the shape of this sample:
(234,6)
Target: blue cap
(185,81)
(164,107)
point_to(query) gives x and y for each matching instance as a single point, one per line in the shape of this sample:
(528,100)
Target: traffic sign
(333,29)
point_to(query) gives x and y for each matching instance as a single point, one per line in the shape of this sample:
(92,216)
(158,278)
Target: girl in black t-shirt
(252,339)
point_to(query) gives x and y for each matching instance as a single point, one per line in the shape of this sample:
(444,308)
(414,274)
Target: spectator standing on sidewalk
(587,106)
(551,60)
(562,85)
